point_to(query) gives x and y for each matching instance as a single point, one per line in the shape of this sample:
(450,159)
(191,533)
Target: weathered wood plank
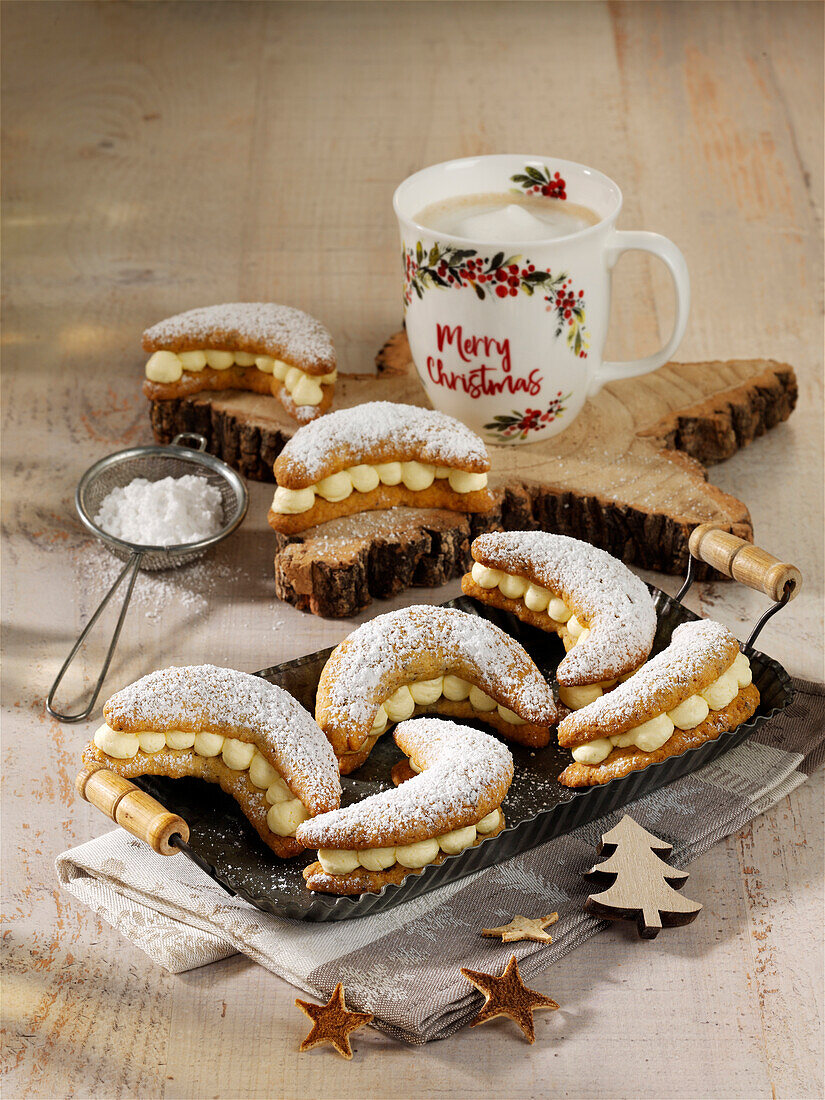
(163,156)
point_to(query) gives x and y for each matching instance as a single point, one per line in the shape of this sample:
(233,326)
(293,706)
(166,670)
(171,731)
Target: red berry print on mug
(519,424)
(535,182)
(445,267)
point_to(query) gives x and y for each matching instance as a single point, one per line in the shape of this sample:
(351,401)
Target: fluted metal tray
(537,807)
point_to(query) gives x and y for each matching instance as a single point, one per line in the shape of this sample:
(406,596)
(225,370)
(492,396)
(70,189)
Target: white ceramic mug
(509,338)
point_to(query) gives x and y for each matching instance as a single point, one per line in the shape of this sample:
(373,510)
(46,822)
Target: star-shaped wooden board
(628,475)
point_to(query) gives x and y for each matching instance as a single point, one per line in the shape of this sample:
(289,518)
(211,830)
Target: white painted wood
(164,156)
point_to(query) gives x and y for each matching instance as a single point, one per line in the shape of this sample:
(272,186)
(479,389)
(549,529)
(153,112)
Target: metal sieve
(185,455)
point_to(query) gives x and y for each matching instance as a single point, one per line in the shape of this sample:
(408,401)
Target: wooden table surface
(160,156)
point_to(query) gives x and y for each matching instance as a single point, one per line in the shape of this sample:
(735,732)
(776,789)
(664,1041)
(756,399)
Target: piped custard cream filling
(303,388)
(286,812)
(534,597)
(337,861)
(415,476)
(651,735)
(402,703)
(562,619)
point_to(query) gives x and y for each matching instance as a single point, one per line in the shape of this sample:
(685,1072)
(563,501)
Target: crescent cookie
(258,346)
(691,692)
(453,804)
(603,613)
(230,728)
(434,659)
(378,455)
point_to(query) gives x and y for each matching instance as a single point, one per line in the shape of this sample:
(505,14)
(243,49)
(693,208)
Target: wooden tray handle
(132,809)
(745,562)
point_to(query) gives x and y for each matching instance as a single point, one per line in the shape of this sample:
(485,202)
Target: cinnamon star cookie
(230,728)
(378,455)
(452,804)
(434,659)
(257,346)
(695,690)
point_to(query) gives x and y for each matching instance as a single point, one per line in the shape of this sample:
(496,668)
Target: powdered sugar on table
(169,512)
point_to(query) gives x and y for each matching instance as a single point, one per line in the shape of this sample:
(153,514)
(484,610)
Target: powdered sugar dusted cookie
(434,659)
(230,728)
(378,455)
(603,613)
(258,346)
(691,692)
(453,803)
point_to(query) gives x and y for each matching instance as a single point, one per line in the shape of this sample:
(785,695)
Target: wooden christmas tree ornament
(644,886)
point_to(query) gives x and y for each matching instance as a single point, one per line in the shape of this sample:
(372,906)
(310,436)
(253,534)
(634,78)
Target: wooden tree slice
(335,569)
(628,475)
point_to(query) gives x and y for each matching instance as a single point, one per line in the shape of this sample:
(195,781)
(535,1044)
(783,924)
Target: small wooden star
(332,1022)
(507,995)
(524,928)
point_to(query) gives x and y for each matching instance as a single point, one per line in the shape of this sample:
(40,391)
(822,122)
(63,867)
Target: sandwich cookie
(603,613)
(257,346)
(230,728)
(378,455)
(435,660)
(695,690)
(452,803)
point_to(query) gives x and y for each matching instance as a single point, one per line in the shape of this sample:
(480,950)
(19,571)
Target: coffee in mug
(504,217)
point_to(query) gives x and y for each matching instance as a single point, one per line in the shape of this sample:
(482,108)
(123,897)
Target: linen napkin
(403,965)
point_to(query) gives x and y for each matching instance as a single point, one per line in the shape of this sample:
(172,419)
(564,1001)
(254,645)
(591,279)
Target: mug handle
(666,250)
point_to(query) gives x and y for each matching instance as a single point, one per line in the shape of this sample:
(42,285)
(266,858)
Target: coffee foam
(506,216)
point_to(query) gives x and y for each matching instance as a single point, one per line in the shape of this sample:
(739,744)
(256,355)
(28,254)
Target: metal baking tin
(537,807)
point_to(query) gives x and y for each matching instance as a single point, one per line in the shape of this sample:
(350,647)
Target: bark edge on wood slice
(628,475)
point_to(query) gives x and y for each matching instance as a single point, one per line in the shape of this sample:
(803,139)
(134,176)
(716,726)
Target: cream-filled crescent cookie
(257,346)
(695,690)
(452,803)
(429,659)
(378,455)
(603,613)
(230,728)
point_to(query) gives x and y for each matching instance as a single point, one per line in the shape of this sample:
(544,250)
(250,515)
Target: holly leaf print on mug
(445,267)
(534,182)
(519,424)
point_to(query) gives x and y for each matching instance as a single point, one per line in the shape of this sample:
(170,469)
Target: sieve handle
(198,441)
(131,567)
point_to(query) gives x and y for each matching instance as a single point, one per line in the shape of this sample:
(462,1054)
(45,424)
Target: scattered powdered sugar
(349,437)
(223,700)
(169,512)
(659,685)
(615,603)
(191,587)
(262,328)
(465,775)
(502,667)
